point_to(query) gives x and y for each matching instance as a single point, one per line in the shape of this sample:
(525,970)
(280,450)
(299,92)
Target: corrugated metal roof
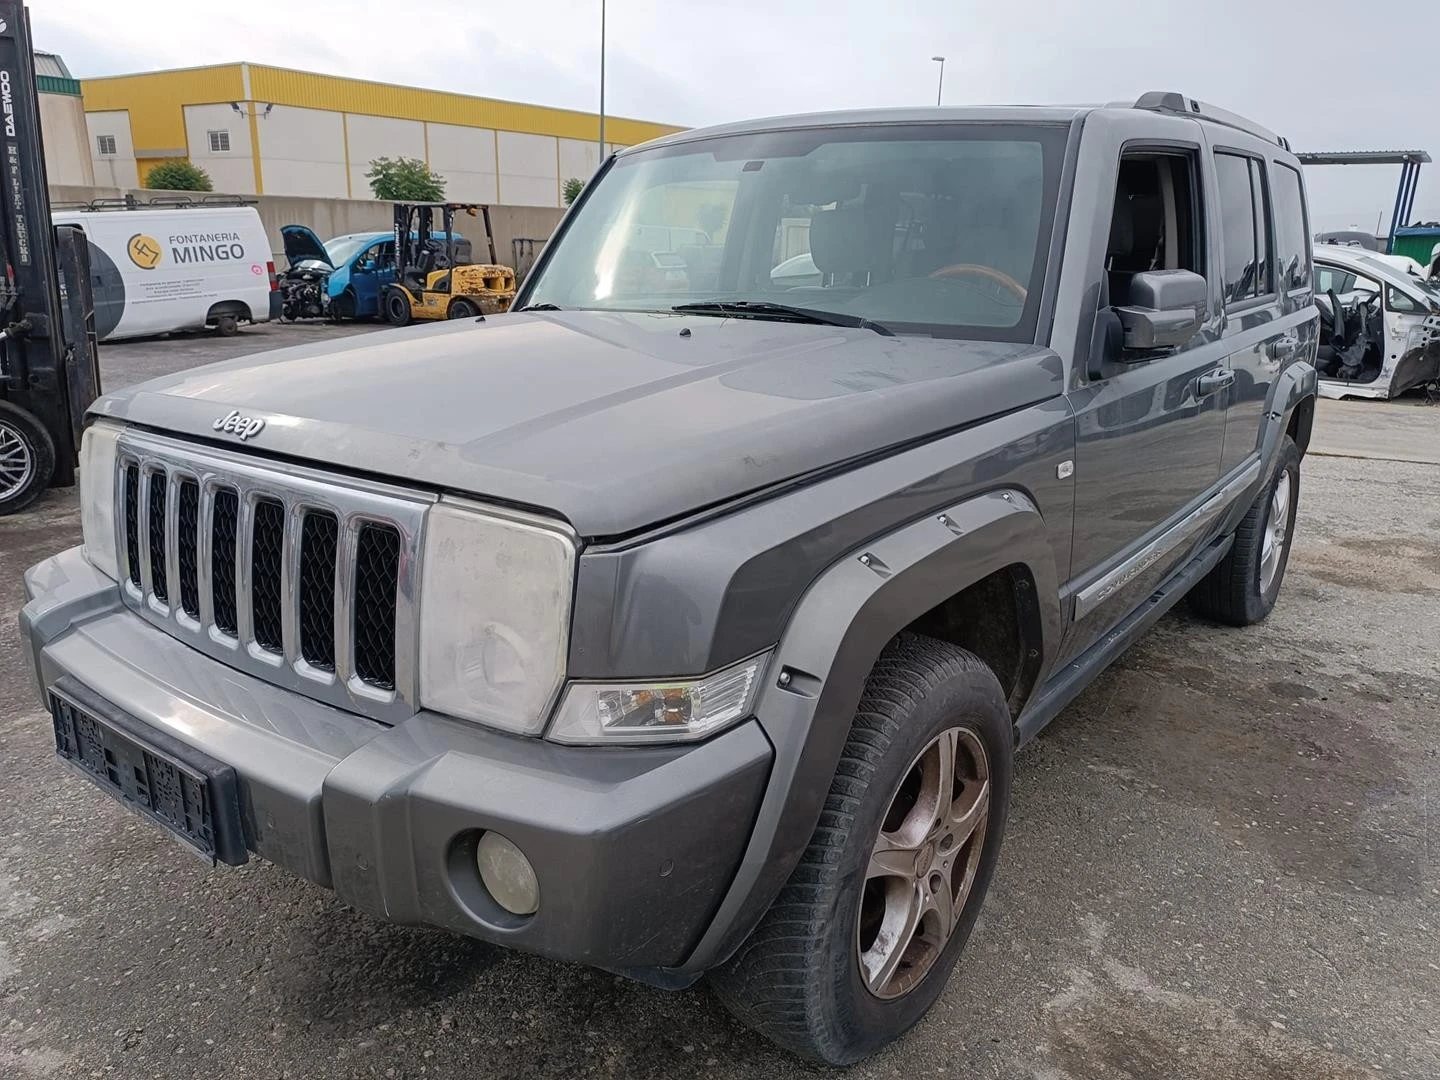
(49,63)
(1362,157)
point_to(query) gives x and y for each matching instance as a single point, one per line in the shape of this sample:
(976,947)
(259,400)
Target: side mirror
(364,265)
(1166,309)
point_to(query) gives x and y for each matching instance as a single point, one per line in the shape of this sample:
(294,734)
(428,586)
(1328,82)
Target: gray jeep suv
(686,620)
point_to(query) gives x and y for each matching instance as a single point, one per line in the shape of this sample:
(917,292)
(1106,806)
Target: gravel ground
(1221,864)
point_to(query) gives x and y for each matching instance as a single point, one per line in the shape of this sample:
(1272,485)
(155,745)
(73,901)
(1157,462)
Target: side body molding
(832,640)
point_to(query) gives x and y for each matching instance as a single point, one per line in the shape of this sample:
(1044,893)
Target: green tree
(571,190)
(178,175)
(405,180)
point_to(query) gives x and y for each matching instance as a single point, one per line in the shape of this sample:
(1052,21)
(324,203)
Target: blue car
(343,277)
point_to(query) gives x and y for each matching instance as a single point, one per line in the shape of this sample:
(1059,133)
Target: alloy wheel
(1277,525)
(923,864)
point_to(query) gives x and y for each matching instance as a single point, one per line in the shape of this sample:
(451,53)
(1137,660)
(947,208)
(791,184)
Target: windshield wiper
(760,309)
(541,307)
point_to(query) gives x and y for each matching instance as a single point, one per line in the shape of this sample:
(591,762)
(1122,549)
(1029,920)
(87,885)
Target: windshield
(938,229)
(1394,275)
(342,248)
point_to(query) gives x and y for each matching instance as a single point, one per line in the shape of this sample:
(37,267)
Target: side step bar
(1067,683)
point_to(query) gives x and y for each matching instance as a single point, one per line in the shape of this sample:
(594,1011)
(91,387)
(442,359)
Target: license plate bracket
(190,794)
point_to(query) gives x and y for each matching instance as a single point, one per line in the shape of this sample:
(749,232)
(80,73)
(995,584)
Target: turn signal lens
(678,711)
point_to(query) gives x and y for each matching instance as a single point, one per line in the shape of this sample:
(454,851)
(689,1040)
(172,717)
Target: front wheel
(27,458)
(397,307)
(1244,585)
(861,940)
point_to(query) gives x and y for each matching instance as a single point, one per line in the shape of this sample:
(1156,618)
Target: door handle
(1212,382)
(1282,347)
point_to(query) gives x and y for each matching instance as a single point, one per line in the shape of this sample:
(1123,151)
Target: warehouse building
(62,120)
(261,130)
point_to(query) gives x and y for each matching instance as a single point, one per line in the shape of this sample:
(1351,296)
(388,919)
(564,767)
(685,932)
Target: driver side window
(1155,224)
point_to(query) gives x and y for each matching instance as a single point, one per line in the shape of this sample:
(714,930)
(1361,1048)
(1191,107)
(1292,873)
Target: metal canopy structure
(1409,162)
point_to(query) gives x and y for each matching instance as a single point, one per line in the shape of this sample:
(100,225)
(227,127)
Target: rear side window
(1290,233)
(1261,201)
(1244,227)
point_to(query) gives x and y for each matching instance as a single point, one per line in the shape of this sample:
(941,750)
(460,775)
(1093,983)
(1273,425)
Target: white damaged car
(1384,339)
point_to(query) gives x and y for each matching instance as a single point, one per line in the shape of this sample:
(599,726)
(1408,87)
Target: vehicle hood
(302,243)
(614,421)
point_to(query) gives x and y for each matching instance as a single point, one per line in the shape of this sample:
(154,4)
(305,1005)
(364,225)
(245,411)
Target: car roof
(1015,114)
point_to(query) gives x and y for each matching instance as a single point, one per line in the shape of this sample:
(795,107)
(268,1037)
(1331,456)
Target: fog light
(507,874)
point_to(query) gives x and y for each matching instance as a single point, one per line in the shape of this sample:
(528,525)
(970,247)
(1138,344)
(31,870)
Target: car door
(1265,286)
(365,275)
(1149,426)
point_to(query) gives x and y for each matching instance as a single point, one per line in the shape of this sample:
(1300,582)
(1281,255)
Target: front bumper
(634,848)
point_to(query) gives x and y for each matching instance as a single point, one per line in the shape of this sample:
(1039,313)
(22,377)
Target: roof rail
(169,201)
(1168,101)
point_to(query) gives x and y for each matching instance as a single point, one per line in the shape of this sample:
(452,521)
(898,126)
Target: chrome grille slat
(289,583)
(244,628)
(269,506)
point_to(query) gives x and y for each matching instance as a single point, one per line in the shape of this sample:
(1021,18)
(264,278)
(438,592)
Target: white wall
(380,136)
(529,170)
(465,157)
(67,153)
(119,170)
(578,159)
(230,170)
(302,152)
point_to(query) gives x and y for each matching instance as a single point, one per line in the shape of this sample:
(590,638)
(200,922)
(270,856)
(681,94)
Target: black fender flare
(1297,383)
(818,672)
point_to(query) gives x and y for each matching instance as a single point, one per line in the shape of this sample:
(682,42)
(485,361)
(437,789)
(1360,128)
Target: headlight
(646,712)
(494,615)
(97,496)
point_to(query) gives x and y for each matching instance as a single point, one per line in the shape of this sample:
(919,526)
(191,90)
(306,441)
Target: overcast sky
(1328,74)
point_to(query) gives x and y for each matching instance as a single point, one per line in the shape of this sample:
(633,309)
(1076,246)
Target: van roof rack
(155,202)
(1169,101)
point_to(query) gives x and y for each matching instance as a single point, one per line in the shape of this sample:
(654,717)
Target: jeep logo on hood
(243,427)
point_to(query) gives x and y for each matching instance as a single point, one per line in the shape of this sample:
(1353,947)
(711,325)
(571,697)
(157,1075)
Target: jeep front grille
(299,577)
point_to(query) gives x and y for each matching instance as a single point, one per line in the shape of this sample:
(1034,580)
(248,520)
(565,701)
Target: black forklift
(49,372)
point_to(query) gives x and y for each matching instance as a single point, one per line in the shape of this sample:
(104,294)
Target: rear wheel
(227,325)
(397,307)
(861,940)
(462,309)
(27,458)
(1243,587)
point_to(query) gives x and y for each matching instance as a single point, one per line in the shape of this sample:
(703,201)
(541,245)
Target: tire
(801,978)
(397,307)
(1242,588)
(462,309)
(27,458)
(227,325)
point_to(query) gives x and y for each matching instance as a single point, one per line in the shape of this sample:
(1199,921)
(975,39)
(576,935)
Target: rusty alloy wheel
(923,863)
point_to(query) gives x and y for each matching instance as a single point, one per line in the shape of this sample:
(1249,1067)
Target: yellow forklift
(428,283)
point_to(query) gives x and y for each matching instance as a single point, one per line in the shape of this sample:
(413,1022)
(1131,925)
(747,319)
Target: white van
(158,268)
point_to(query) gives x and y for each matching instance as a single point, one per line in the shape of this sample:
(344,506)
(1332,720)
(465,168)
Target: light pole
(602,81)
(939,60)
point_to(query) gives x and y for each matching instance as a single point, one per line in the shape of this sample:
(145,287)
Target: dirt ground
(1221,865)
